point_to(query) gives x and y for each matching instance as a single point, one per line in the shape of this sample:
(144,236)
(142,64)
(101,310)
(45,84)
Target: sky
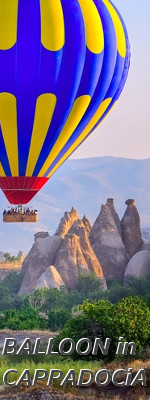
(124,133)
(126,130)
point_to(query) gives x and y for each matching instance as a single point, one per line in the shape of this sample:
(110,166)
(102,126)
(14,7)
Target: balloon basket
(20,214)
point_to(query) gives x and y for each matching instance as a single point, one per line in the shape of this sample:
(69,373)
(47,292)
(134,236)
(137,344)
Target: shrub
(133,317)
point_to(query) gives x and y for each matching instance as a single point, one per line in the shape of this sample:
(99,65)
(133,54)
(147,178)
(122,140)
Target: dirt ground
(93,393)
(21,335)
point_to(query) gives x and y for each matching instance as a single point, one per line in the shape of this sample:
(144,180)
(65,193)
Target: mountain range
(84,183)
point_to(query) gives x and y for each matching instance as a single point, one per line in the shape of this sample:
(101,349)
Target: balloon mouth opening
(21,190)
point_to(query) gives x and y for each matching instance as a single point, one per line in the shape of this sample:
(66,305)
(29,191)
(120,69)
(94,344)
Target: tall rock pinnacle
(87,224)
(107,242)
(131,232)
(66,222)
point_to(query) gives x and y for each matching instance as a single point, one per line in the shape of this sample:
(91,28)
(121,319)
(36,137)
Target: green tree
(98,320)
(133,317)
(139,286)
(57,318)
(25,318)
(88,283)
(13,282)
(147,300)
(117,293)
(10,258)
(6,301)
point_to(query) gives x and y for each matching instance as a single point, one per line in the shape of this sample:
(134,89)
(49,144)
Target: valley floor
(21,335)
(113,393)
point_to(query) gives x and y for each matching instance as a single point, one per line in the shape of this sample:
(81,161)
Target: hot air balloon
(63,65)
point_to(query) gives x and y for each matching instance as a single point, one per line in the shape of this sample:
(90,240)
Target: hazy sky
(126,130)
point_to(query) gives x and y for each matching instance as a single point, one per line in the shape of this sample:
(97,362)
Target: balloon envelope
(63,65)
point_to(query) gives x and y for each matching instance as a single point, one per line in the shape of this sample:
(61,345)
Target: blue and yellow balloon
(63,65)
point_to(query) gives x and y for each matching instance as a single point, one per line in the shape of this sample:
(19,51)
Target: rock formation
(107,243)
(40,257)
(21,256)
(104,249)
(110,204)
(70,261)
(40,235)
(69,253)
(131,232)
(92,262)
(139,265)
(50,279)
(87,224)
(66,222)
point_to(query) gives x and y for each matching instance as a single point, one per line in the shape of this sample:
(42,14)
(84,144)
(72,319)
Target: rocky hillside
(111,248)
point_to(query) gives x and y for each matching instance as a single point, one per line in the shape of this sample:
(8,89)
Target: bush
(57,318)
(10,258)
(133,317)
(13,282)
(25,318)
(139,286)
(117,293)
(98,320)
(89,283)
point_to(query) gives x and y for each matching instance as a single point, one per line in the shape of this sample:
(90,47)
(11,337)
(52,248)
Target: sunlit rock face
(76,255)
(106,241)
(40,257)
(50,279)
(87,224)
(69,251)
(66,222)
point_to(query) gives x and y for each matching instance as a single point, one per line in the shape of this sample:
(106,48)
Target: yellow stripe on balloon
(8,23)
(45,107)
(78,110)
(120,35)
(2,173)
(8,122)
(93,26)
(99,113)
(52,25)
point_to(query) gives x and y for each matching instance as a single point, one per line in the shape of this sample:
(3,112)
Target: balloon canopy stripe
(93,26)
(2,173)
(51,16)
(45,107)
(3,156)
(9,128)
(120,35)
(8,23)
(63,65)
(78,110)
